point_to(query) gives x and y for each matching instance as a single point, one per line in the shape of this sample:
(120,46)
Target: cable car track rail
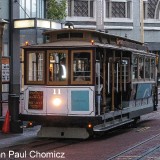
(120,155)
(148,152)
(60,143)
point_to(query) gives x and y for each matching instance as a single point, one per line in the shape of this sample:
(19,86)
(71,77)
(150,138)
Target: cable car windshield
(61,69)
(57,66)
(35,67)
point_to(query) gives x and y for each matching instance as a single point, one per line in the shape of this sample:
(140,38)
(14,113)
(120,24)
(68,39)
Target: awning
(36,23)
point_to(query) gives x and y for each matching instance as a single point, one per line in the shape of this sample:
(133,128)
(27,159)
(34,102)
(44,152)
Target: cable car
(82,82)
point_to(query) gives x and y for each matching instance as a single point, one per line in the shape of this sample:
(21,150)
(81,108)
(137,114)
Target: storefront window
(31,8)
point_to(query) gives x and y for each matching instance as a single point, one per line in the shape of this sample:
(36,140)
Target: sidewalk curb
(1,123)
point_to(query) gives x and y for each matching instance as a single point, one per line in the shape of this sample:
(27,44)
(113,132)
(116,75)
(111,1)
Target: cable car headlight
(57,102)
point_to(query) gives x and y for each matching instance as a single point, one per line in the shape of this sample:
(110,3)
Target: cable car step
(110,125)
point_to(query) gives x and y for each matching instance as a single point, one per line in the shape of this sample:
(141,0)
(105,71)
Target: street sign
(5,70)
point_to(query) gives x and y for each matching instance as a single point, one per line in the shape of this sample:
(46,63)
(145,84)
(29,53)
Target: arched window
(152,9)
(157,13)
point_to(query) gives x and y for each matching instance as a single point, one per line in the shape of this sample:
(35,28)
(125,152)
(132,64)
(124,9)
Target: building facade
(120,17)
(135,19)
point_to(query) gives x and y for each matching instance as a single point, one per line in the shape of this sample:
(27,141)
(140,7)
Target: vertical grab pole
(121,81)
(104,80)
(99,87)
(117,77)
(113,61)
(124,76)
(108,77)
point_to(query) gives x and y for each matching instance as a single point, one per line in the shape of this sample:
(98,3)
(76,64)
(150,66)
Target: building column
(100,15)
(14,50)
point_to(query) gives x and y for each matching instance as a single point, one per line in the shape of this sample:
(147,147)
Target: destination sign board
(35,100)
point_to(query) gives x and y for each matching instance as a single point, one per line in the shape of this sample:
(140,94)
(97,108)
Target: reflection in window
(28,8)
(147,67)
(57,66)
(135,65)
(153,68)
(81,66)
(35,66)
(32,8)
(141,67)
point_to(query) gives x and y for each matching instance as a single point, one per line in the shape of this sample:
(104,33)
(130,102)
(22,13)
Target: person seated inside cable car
(80,77)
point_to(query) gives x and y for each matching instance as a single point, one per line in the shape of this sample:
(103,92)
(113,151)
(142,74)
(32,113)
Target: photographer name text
(32,154)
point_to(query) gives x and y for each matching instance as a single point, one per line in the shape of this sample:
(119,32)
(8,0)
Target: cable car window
(147,67)
(153,63)
(81,67)
(47,38)
(76,35)
(141,67)
(135,67)
(57,66)
(125,64)
(63,36)
(35,67)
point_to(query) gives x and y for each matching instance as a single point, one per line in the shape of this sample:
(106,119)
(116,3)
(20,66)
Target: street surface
(142,142)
